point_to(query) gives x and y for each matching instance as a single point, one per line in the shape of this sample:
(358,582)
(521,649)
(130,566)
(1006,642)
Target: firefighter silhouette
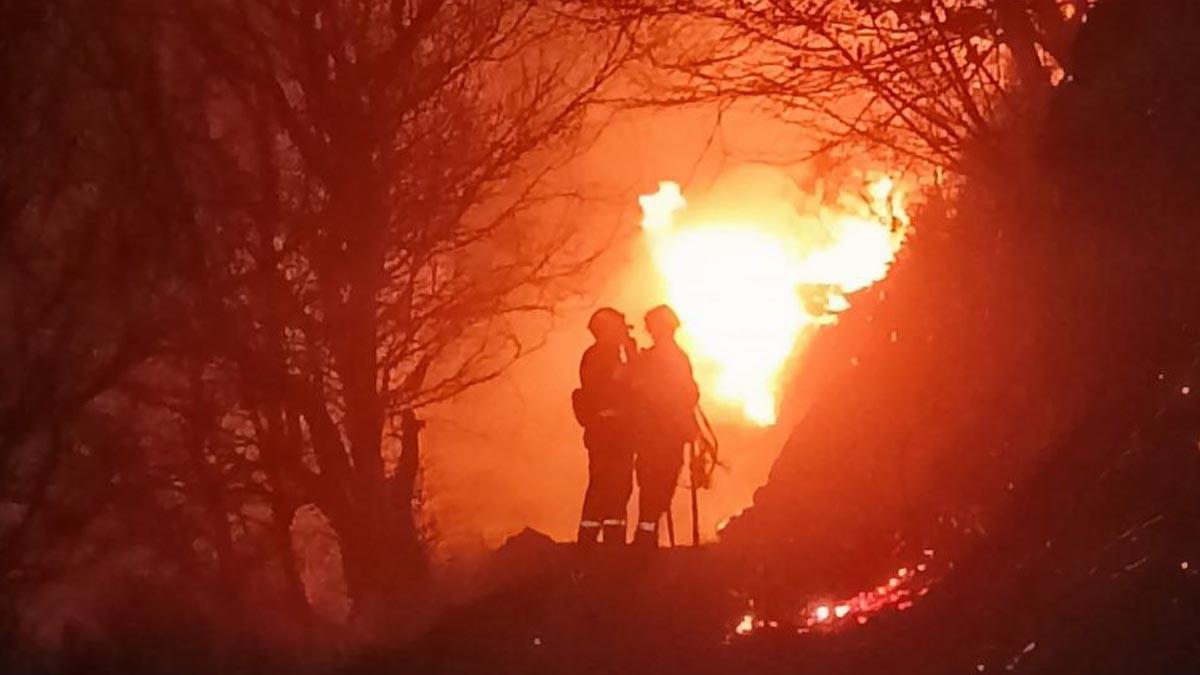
(601,406)
(666,395)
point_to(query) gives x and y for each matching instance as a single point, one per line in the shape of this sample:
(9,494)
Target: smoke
(509,455)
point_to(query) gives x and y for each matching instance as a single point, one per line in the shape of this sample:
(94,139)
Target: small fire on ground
(753,277)
(899,592)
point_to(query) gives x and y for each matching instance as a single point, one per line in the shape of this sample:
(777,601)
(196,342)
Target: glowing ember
(745,626)
(750,288)
(899,593)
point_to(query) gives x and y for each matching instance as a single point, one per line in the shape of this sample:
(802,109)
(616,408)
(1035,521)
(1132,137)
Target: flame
(746,625)
(751,287)
(898,593)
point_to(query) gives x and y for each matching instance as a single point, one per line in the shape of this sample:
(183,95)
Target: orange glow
(745,626)
(752,281)
(899,594)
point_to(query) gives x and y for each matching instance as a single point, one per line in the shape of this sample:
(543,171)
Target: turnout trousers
(658,465)
(610,483)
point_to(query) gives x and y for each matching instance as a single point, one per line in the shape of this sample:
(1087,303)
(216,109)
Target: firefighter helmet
(607,319)
(662,319)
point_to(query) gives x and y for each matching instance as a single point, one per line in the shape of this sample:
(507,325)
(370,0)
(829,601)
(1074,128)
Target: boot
(647,535)
(589,534)
(614,533)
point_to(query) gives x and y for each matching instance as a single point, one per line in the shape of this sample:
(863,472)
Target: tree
(370,213)
(88,247)
(1031,414)
(251,239)
(928,82)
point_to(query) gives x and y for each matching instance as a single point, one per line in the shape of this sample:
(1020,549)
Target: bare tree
(930,82)
(370,208)
(245,241)
(88,226)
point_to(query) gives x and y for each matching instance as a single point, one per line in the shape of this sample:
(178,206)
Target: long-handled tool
(703,456)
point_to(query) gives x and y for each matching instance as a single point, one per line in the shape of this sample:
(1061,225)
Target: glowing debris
(899,593)
(745,626)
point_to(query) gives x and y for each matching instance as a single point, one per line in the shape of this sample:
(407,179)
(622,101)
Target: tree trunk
(382,554)
(382,585)
(404,490)
(1019,34)
(282,515)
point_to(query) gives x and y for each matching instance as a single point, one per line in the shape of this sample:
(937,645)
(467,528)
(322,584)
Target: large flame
(750,285)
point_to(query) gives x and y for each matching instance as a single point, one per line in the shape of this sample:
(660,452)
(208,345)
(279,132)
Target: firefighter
(601,407)
(666,396)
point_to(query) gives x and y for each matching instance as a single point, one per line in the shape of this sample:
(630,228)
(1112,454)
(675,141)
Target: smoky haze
(508,455)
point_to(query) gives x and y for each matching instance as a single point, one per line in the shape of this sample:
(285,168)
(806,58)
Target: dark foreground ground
(541,607)
(676,611)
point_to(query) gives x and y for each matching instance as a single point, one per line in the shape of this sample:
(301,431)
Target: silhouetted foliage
(242,243)
(367,238)
(954,84)
(1034,418)
(89,256)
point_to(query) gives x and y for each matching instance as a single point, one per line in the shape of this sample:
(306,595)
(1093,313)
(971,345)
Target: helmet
(607,319)
(662,319)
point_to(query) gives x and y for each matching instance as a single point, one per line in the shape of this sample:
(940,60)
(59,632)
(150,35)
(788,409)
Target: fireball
(752,282)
